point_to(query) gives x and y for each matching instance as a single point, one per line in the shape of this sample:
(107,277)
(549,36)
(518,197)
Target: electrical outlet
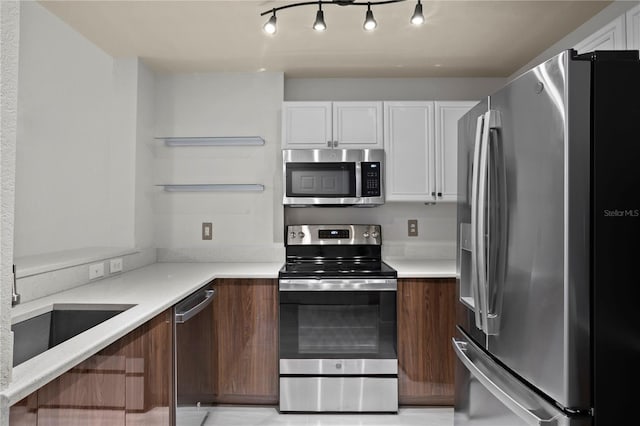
(412,225)
(115,265)
(207,231)
(96,270)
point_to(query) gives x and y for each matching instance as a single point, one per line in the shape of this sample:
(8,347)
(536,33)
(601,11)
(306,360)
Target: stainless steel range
(337,321)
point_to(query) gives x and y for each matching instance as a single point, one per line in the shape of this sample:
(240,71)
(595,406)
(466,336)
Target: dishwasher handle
(184,311)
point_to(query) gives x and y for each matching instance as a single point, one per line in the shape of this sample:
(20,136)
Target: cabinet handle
(329,143)
(433,194)
(439,194)
(335,144)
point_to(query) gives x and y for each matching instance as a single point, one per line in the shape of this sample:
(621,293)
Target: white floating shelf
(214,141)
(221,187)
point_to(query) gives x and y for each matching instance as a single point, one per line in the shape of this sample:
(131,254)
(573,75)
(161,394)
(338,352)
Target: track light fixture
(270,26)
(370,23)
(418,17)
(319,24)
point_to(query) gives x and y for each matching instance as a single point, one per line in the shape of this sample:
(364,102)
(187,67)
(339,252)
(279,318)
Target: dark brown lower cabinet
(129,382)
(246,341)
(426,324)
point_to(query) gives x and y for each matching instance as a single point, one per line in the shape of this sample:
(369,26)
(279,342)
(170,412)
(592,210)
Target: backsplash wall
(436,226)
(247,226)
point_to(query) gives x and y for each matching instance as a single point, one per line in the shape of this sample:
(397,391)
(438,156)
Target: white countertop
(423,268)
(151,289)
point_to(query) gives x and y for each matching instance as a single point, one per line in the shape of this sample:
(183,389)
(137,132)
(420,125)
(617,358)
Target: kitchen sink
(35,335)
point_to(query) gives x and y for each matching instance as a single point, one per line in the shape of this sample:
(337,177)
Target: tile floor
(266,416)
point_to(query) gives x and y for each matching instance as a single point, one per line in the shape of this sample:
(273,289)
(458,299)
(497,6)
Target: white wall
(144,154)
(74,142)
(436,226)
(389,89)
(9,37)
(84,156)
(246,226)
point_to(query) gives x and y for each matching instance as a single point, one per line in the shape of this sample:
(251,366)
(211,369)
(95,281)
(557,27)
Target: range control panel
(370,179)
(333,235)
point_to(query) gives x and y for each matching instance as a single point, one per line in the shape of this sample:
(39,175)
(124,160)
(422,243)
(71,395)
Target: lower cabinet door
(129,382)
(426,324)
(246,341)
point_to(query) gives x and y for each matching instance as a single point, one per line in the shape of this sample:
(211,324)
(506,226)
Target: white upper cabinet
(610,37)
(306,124)
(357,124)
(620,34)
(421,145)
(446,172)
(332,125)
(409,151)
(633,28)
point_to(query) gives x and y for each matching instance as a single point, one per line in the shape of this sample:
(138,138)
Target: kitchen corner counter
(151,289)
(423,268)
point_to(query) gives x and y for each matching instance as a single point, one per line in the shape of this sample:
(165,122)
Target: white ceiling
(460,38)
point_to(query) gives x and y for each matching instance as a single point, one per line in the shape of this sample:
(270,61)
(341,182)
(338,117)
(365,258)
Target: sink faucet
(15,297)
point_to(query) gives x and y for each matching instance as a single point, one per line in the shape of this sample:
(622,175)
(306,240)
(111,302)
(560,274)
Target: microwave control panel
(370,179)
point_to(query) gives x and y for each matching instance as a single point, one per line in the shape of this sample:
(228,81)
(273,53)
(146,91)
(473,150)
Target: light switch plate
(412,225)
(96,270)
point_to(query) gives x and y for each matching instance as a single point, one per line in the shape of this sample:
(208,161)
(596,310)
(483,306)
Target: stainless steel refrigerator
(548,320)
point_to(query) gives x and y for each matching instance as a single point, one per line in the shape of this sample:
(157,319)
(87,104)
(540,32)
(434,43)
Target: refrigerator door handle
(481,219)
(461,348)
(475,291)
(495,234)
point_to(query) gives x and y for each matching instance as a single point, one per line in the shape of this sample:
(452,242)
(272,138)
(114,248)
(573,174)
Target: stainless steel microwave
(333,177)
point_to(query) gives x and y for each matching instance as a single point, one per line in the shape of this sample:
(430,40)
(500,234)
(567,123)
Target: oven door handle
(352,284)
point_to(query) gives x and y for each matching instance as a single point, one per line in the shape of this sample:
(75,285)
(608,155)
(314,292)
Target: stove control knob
(366,235)
(292,235)
(301,234)
(375,234)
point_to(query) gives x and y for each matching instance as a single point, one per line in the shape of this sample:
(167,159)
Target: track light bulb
(319,24)
(270,27)
(418,17)
(370,23)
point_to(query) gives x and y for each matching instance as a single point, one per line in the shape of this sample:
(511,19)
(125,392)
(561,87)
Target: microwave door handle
(474,222)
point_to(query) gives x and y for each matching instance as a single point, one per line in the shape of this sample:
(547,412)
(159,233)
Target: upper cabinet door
(609,37)
(306,125)
(357,124)
(446,156)
(409,150)
(633,28)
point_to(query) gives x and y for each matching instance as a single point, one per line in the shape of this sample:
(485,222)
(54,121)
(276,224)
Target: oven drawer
(348,394)
(338,367)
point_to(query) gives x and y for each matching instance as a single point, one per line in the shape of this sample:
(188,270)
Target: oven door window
(322,180)
(338,324)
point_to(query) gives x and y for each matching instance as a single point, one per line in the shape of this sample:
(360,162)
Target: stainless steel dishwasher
(194,356)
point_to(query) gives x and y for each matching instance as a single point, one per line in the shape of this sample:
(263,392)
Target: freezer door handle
(461,349)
